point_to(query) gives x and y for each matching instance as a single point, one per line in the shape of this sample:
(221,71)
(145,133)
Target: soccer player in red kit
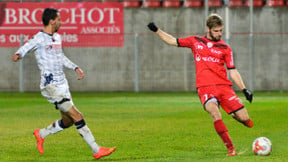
(211,54)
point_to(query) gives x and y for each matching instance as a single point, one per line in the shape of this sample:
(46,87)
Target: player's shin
(222,131)
(247,123)
(53,128)
(86,134)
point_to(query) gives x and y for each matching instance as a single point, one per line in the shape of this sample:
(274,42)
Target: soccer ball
(262,146)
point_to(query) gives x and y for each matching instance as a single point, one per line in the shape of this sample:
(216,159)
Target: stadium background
(147,63)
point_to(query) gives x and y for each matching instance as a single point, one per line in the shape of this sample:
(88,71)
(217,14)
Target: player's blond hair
(214,20)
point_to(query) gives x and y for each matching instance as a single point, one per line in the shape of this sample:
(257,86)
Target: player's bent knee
(65,105)
(216,116)
(211,102)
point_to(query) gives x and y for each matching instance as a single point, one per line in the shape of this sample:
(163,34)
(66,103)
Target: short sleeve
(229,60)
(185,42)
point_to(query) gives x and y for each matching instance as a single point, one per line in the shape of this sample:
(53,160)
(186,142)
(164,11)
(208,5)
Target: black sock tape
(80,124)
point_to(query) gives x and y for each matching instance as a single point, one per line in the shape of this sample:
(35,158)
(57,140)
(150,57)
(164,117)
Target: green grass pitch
(143,127)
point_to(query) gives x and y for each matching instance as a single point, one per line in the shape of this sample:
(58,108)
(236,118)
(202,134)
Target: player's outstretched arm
(236,77)
(16,57)
(167,38)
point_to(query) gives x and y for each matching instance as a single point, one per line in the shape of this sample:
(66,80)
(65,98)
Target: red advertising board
(85,24)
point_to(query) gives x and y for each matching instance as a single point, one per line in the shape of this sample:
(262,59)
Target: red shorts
(225,96)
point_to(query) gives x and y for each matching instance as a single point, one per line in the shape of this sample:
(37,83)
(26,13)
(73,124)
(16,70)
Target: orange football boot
(40,141)
(231,152)
(104,152)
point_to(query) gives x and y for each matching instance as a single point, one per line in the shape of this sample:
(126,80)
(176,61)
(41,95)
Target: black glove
(248,94)
(152,27)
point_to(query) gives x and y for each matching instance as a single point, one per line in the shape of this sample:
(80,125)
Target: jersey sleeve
(68,63)
(31,45)
(229,59)
(185,42)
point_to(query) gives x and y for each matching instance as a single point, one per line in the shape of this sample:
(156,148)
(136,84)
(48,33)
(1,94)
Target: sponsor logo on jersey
(215,51)
(210,59)
(48,47)
(53,47)
(206,59)
(198,58)
(199,47)
(56,46)
(209,44)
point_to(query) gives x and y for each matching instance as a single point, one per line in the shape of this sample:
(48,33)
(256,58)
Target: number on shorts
(206,97)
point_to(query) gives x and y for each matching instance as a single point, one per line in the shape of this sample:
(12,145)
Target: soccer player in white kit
(51,60)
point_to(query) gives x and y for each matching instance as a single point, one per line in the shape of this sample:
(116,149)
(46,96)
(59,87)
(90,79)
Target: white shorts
(56,93)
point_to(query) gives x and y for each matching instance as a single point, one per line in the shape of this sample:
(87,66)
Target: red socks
(248,123)
(222,131)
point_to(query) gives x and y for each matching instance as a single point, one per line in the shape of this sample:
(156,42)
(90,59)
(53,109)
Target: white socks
(51,129)
(82,128)
(88,138)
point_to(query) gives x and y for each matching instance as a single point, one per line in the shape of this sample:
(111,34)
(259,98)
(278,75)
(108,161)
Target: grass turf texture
(143,127)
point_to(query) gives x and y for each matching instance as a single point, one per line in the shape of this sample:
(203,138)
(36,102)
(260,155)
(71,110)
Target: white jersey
(50,58)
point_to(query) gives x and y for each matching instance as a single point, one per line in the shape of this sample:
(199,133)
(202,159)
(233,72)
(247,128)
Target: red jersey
(210,57)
